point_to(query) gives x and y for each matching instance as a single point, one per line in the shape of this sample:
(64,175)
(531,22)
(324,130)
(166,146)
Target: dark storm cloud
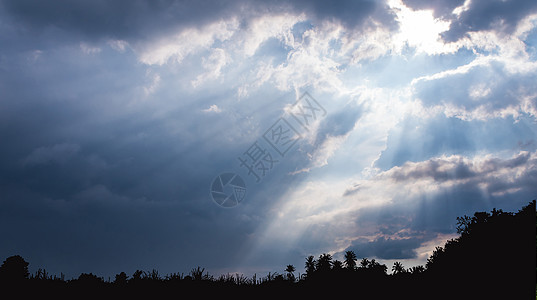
(469,173)
(454,169)
(120,19)
(431,168)
(113,197)
(100,176)
(57,153)
(142,18)
(501,16)
(103,232)
(95,176)
(350,13)
(73,123)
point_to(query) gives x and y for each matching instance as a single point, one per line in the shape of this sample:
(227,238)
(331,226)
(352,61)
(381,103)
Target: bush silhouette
(121,279)
(14,269)
(89,279)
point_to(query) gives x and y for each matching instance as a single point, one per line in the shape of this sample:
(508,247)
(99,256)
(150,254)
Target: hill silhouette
(493,257)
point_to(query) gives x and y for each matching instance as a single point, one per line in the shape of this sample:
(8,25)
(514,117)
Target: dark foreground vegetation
(493,258)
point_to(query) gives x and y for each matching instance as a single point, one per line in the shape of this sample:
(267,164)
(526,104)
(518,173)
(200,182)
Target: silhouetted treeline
(494,257)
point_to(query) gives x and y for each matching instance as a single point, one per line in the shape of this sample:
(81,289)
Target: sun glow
(420,29)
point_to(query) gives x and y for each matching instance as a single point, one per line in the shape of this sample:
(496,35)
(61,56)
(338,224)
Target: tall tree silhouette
(310,266)
(324,263)
(350,260)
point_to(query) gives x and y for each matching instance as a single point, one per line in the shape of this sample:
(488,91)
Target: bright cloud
(420,29)
(213,108)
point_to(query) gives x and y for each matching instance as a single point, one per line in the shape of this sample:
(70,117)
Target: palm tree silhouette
(310,266)
(398,268)
(364,263)
(290,276)
(417,270)
(350,260)
(337,265)
(324,263)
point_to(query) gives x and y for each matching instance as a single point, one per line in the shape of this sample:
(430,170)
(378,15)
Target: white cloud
(372,44)
(213,108)
(118,45)
(154,81)
(479,91)
(479,61)
(269,26)
(505,66)
(312,62)
(89,50)
(213,65)
(460,9)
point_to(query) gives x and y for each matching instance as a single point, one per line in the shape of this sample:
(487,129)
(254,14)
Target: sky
(345,125)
